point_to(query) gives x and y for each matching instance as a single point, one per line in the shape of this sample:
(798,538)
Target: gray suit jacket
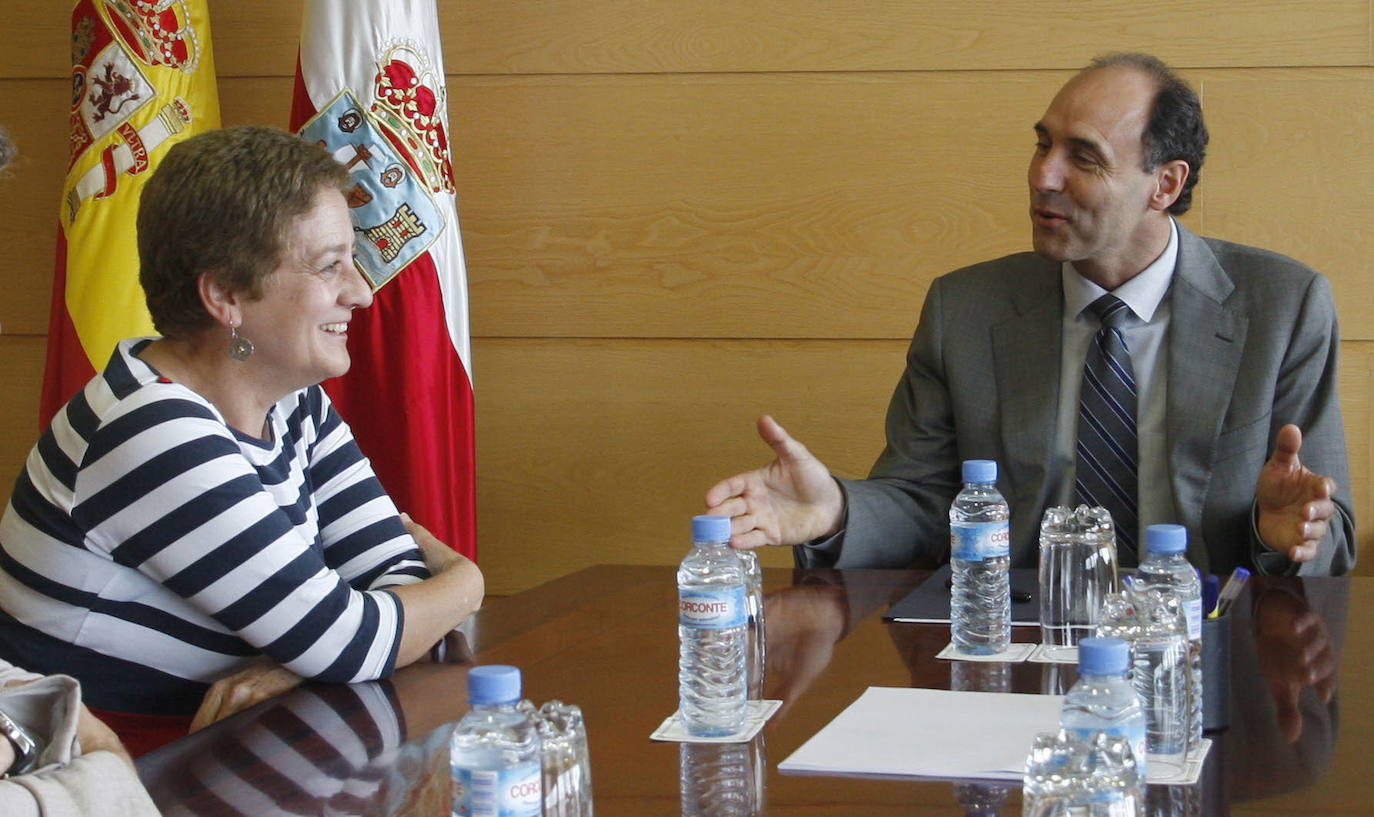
(1252,345)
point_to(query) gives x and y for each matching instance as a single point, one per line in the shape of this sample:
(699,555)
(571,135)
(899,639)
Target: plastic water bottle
(1152,620)
(494,752)
(1166,564)
(756,653)
(712,632)
(980,560)
(1104,699)
(980,799)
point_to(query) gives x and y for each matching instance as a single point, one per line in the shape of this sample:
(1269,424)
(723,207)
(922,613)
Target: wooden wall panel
(37,40)
(21,370)
(1292,168)
(1357,407)
(255,101)
(781,205)
(35,114)
(825,35)
(634,36)
(601,450)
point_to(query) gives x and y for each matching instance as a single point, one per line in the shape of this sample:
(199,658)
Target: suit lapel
(1206,340)
(1026,352)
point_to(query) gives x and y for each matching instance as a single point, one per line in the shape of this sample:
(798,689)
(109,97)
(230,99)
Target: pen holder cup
(1216,673)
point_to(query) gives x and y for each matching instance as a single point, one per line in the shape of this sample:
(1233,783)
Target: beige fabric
(66,783)
(96,784)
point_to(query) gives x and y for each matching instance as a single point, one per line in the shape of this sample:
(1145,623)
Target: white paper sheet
(929,733)
(891,732)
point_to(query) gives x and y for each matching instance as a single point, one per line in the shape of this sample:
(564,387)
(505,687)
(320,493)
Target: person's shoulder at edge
(1016,282)
(1248,264)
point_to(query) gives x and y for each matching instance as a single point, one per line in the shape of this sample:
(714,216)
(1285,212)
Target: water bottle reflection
(723,779)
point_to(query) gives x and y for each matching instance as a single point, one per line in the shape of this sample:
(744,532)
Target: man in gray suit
(1232,347)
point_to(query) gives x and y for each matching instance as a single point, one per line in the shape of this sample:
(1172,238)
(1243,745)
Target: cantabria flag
(370,88)
(143,78)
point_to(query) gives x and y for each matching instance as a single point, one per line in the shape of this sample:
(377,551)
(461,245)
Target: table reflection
(376,748)
(1287,640)
(1286,637)
(381,748)
(723,779)
(317,750)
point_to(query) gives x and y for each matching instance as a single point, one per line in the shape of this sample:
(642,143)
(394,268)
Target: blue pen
(1231,590)
(1211,593)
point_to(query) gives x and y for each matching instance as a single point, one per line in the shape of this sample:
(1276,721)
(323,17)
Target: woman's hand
(241,690)
(439,557)
(436,605)
(95,736)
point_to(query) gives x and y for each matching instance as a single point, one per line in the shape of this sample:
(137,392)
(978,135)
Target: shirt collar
(1143,293)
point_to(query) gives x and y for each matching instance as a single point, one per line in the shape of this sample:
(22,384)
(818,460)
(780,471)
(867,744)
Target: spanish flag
(143,78)
(370,88)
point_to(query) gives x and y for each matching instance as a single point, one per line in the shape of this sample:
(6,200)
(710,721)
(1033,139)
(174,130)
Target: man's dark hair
(1175,129)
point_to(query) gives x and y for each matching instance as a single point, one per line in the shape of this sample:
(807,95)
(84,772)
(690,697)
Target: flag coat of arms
(143,79)
(370,89)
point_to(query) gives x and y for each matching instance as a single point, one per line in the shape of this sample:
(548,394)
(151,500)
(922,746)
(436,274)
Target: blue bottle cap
(710,528)
(493,684)
(980,470)
(1103,656)
(1166,539)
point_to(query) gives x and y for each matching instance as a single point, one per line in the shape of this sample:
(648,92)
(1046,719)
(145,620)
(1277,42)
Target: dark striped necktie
(1107,447)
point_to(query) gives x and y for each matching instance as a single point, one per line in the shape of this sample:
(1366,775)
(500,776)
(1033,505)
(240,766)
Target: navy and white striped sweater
(148,549)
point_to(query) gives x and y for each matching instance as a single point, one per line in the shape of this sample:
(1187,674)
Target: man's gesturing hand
(791,500)
(1295,505)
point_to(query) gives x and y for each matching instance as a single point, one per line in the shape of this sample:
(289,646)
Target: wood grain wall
(681,215)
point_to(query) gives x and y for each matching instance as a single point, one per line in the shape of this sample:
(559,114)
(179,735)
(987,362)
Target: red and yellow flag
(143,78)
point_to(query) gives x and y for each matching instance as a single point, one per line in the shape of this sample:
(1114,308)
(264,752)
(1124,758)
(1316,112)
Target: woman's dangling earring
(240,348)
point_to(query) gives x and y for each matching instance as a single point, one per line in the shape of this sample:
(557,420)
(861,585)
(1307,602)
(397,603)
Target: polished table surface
(605,638)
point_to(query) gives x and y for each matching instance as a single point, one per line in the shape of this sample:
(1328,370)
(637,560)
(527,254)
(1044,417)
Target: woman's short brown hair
(223,202)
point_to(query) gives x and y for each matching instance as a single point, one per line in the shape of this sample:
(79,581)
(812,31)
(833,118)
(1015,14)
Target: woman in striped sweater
(197,529)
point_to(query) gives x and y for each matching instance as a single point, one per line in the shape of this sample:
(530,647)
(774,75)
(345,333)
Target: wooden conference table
(1302,706)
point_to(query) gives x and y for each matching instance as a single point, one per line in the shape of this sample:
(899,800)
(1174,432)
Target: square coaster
(1054,654)
(755,717)
(1192,768)
(1013,654)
